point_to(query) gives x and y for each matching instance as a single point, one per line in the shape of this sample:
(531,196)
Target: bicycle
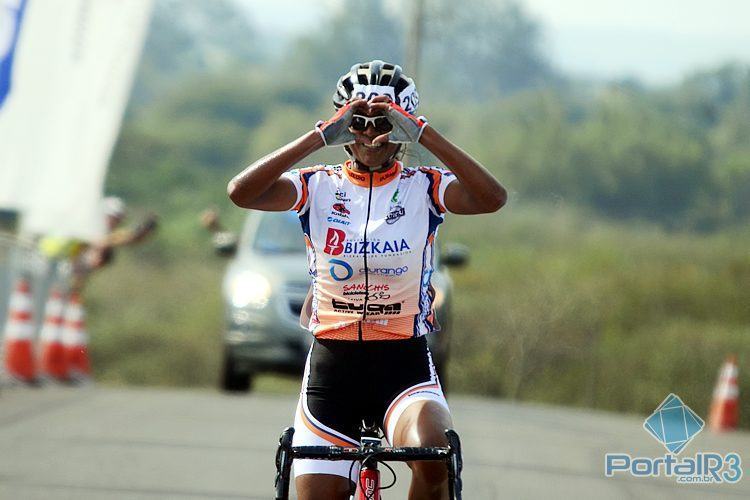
(369,453)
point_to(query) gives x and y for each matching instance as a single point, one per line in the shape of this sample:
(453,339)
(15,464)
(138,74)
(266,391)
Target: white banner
(72,74)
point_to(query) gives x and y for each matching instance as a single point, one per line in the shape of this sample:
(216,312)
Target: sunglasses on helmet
(379,123)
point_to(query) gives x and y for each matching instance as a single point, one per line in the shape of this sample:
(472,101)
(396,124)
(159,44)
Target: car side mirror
(225,244)
(454,255)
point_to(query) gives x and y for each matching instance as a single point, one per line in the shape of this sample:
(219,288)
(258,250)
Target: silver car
(264,289)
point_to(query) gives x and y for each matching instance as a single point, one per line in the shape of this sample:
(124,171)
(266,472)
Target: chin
(374,161)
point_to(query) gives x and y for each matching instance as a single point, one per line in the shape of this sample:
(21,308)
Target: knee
(430,472)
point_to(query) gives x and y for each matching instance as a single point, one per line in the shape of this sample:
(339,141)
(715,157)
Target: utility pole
(414,47)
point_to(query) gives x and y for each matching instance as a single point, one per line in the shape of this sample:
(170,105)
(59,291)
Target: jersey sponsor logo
(334,241)
(340,270)
(357,176)
(352,308)
(341,196)
(360,287)
(408,172)
(336,220)
(385,271)
(341,208)
(395,214)
(375,247)
(373,291)
(389,175)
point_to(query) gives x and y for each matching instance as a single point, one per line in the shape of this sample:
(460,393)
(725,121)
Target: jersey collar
(378,178)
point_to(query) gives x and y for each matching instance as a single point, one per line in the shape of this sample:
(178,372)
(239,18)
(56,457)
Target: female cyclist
(369,227)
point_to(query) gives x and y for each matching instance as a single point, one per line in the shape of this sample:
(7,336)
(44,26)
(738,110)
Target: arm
(475,191)
(130,236)
(261,186)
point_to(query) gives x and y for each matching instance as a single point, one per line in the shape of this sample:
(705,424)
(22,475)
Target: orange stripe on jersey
(395,329)
(435,194)
(331,438)
(303,179)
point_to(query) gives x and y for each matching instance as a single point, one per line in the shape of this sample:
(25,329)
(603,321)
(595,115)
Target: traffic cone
(725,408)
(53,363)
(75,341)
(19,334)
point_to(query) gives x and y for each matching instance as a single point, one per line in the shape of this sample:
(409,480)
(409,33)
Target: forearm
(475,179)
(256,179)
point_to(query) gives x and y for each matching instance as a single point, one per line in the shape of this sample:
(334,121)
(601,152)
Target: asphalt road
(98,443)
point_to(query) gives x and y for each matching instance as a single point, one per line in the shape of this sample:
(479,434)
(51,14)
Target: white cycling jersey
(370,246)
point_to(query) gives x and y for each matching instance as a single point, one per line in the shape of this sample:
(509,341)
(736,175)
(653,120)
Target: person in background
(102,253)
(224,241)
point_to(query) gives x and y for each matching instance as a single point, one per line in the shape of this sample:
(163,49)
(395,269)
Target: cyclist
(369,226)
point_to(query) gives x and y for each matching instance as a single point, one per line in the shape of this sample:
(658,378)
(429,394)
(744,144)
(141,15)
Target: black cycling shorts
(348,381)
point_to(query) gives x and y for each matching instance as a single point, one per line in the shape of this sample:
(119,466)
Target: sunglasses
(379,123)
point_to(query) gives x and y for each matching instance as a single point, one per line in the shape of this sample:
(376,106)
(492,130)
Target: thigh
(417,404)
(324,416)
(322,487)
(422,423)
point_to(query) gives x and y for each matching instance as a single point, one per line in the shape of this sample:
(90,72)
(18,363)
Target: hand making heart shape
(338,131)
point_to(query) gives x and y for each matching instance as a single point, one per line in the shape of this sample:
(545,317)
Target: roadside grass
(556,305)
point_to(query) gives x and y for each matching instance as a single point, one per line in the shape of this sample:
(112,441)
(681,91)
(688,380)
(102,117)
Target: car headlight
(249,289)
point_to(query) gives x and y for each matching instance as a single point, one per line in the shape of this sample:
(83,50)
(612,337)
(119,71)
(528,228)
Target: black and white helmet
(375,78)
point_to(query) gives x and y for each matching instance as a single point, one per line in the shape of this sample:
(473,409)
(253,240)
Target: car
(264,289)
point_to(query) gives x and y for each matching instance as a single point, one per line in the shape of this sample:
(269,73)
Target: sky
(655,41)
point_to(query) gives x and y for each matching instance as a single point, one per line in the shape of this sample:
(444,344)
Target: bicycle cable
(373,456)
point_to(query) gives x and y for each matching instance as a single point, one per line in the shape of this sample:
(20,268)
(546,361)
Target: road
(104,443)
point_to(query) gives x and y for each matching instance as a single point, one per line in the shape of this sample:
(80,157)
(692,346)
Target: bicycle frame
(369,474)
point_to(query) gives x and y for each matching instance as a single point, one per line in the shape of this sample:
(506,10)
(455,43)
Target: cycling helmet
(374,78)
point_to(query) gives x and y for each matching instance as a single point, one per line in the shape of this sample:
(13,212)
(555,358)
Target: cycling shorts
(348,381)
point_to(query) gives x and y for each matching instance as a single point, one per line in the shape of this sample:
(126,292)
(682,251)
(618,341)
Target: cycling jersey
(370,245)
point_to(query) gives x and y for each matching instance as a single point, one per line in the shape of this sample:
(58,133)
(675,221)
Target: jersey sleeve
(300,186)
(301,178)
(438,180)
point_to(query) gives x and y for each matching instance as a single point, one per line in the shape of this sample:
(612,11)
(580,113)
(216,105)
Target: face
(367,153)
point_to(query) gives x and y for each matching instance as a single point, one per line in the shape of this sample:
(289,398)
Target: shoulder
(324,170)
(432,174)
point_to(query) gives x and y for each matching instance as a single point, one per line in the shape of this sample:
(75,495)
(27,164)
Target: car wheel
(233,380)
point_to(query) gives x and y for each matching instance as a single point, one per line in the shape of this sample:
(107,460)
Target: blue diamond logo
(673,424)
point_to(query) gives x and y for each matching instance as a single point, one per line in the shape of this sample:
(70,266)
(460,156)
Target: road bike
(369,454)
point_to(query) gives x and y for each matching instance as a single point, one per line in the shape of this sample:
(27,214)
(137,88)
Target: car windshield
(279,232)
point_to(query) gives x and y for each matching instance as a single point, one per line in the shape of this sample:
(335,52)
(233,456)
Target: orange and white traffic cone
(75,341)
(53,362)
(19,334)
(725,408)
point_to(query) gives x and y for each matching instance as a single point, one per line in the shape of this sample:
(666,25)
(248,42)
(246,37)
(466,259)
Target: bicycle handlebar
(287,453)
(390,454)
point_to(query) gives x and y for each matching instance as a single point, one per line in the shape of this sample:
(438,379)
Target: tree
(361,30)
(483,48)
(186,38)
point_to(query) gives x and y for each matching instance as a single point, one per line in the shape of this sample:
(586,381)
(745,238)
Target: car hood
(276,268)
